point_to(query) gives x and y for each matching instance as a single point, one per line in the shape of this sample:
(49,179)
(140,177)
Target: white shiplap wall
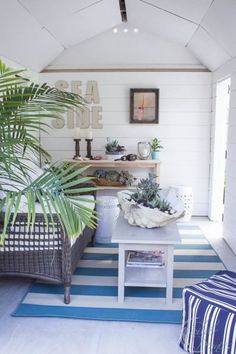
(185,117)
(229,230)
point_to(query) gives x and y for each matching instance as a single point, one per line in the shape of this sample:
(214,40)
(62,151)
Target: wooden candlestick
(89,148)
(77,149)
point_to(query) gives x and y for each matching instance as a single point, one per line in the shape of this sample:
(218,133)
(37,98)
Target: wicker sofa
(42,253)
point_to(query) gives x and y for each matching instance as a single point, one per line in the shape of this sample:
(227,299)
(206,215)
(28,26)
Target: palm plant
(156,144)
(24,108)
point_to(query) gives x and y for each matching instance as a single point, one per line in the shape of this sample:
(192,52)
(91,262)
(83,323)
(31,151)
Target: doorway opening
(219,150)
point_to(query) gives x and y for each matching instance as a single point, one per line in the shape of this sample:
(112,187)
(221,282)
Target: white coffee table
(134,238)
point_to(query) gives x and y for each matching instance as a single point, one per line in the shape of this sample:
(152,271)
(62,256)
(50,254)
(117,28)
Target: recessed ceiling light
(136,30)
(115,30)
(126,30)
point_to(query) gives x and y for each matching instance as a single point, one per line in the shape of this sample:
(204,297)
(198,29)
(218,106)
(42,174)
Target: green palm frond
(24,109)
(52,192)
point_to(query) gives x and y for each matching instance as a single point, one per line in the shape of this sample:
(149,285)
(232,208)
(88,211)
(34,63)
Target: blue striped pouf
(209,316)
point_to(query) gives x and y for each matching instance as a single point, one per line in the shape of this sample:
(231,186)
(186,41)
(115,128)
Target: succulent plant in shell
(148,195)
(147,190)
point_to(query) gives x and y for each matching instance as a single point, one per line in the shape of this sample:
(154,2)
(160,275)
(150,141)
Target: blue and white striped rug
(94,285)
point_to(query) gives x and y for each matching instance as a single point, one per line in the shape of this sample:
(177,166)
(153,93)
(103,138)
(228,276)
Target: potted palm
(156,147)
(24,108)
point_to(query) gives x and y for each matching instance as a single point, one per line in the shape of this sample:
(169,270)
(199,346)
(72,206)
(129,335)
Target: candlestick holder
(89,148)
(77,149)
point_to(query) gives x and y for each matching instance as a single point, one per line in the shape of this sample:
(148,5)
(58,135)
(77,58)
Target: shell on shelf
(142,216)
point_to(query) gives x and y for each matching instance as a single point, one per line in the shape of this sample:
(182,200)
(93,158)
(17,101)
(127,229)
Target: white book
(143,265)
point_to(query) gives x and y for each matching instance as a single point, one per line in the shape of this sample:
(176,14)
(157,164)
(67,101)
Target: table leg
(169,274)
(121,274)
(157,172)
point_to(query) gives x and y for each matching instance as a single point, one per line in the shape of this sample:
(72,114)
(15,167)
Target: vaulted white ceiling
(34,33)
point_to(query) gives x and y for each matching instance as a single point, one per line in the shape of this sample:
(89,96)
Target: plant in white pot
(156,147)
(114,150)
(150,206)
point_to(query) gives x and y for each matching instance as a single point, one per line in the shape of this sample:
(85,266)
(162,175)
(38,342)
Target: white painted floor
(52,335)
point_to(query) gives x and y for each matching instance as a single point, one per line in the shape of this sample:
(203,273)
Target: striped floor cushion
(209,317)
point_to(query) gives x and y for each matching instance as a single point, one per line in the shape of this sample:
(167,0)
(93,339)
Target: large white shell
(146,217)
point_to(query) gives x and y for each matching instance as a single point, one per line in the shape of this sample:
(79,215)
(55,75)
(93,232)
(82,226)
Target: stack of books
(146,259)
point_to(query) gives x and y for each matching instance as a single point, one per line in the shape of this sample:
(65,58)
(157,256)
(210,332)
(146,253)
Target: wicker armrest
(42,252)
(40,236)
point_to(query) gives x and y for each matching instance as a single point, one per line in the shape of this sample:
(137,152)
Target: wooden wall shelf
(111,163)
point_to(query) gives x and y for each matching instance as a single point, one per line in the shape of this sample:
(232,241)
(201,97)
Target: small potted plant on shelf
(156,147)
(149,206)
(114,150)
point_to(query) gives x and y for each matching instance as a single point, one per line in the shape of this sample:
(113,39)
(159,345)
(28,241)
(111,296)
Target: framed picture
(144,106)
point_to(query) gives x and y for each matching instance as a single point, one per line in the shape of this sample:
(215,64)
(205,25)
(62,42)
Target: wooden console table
(153,164)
